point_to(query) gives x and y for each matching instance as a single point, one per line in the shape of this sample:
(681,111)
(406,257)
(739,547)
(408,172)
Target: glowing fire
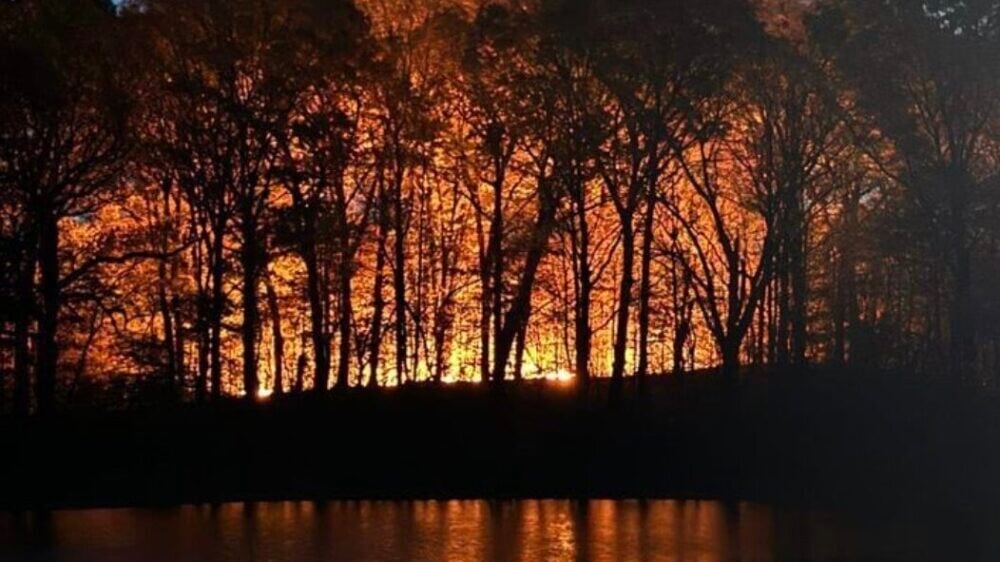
(264,393)
(559,375)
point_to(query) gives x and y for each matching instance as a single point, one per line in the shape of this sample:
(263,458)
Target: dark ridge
(817,438)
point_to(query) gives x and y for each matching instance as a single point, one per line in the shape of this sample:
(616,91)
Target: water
(701,531)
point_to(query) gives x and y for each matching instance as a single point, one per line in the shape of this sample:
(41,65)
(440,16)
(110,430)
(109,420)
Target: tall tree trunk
(731,339)
(201,380)
(201,321)
(22,322)
(344,322)
(300,373)
(839,314)
(277,337)
(164,303)
(730,347)
(440,338)
(22,370)
(166,316)
(759,329)
(682,331)
(378,301)
(399,284)
(317,316)
(496,257)
(845,308)
(493,268)
(519,345)
(585,284)
(516,315)
(47,354)
(418,335)
(624,298)
(251,314)
(175,305)
(800,291)
(645,288)
(784,304)
(772,319)
(485,312)
(680,297)
(216,309)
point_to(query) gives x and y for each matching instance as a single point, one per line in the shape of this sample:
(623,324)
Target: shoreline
(823,439)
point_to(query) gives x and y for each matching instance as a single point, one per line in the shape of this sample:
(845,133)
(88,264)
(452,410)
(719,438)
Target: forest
(205,200)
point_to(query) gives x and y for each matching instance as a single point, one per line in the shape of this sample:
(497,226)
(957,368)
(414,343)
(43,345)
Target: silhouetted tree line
(211,197)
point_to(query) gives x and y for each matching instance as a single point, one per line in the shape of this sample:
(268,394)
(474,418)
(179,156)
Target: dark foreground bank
(822,438)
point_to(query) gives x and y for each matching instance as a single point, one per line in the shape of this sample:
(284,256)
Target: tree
(655,77)
(319,146)
(491,115)
(730,232)
(790,136)
(926,75)
(408,128)
(235,71)
(63,115)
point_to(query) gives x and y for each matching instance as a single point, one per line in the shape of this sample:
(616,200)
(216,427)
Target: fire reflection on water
(525,530)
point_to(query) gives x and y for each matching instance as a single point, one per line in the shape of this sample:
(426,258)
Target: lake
(598,530)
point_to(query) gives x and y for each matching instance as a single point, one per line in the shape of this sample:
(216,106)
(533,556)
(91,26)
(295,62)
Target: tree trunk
(169,345)
(519,345)
(216,308)
(517,313)
(440,338)
(495,256)
(165,303)
(772,320)
(300,374)
(47,354)
(624,298)
(800,289)
(485,309)
(22,322)
(730,347)
(278,338)
(783,331)
(22,372)
(845,309)
(251,314)
(378,302)
(584,281)
(179,334)
(681,333)
(399,284)
(317,323)
(344,323)
(645,289)
(201,382)
(839,314)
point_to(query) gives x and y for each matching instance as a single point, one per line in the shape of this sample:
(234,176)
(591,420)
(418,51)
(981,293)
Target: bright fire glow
(264,393)
(559,375)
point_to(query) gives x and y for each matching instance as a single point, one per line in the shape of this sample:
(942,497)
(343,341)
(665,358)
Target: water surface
(598,530)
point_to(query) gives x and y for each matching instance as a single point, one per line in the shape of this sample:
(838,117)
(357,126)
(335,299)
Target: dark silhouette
(770,225)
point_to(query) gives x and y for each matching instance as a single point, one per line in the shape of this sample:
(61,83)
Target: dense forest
(203,199)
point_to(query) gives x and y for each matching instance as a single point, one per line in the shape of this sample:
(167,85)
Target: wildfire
(559,375)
